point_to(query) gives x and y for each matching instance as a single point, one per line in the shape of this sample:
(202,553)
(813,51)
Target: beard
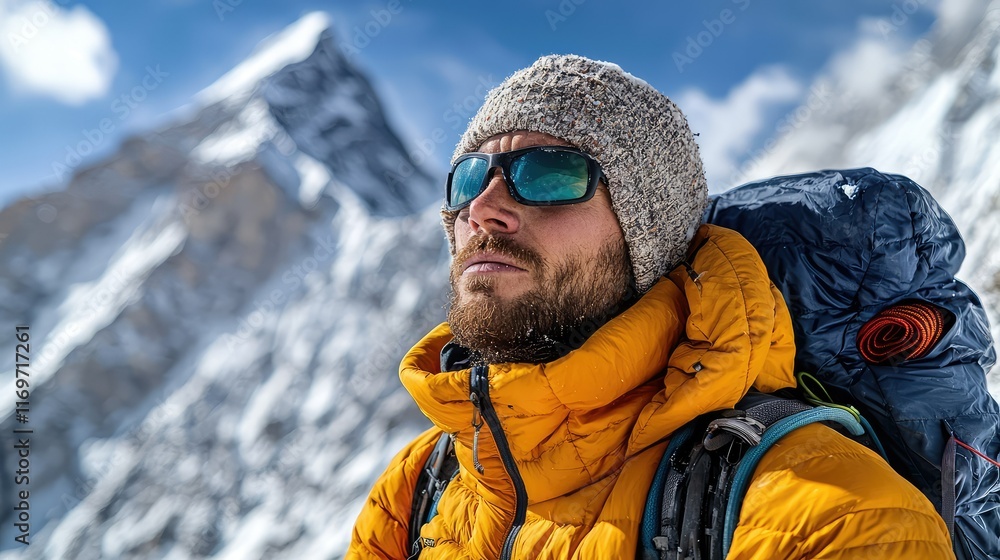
(570,301)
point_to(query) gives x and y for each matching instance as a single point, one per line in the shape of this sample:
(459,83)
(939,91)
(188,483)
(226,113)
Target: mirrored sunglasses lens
(550,176)
(466,180)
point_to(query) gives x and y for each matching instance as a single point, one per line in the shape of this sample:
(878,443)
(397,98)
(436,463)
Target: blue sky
(69,69)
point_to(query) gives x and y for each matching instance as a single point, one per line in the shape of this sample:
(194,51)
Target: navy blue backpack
(842,246)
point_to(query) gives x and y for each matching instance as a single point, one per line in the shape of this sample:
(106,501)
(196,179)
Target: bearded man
(593,315)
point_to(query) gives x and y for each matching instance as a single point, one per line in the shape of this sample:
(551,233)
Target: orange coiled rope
(902,332)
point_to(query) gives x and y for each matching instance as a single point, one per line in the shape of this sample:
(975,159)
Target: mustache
(503,246)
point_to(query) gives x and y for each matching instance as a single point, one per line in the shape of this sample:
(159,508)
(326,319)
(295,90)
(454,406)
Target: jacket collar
(567,422)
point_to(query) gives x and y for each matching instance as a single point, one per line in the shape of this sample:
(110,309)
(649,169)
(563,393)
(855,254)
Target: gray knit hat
(640,138)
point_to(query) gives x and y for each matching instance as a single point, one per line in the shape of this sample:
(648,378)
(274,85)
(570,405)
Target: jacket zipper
(480,397)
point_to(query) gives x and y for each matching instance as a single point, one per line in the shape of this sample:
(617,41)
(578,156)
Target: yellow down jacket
(586,432)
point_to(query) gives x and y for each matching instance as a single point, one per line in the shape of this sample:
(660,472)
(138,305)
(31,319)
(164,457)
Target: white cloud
(51,51)
(867,67)
(860,84)
(728,126)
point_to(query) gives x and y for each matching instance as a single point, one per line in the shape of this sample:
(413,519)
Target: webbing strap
(948,486)
(430,484)
(650,525)
(746,467)
(726,438)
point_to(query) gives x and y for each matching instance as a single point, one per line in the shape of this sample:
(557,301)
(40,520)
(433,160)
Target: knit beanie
(640,138)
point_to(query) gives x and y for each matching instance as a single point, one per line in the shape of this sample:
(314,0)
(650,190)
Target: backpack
(859,257)
(851,252)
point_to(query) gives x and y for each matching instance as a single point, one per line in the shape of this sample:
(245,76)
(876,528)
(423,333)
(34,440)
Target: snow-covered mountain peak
(333,115)
(242,278)
(292,44)
(316,123)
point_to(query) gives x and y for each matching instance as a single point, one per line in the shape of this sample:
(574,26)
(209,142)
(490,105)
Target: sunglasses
(536,176)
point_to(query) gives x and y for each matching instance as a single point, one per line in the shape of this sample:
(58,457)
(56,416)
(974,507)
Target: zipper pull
(477,423)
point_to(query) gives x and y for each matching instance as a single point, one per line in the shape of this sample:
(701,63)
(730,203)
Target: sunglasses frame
(503,160)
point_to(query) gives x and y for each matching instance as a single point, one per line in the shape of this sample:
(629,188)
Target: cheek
(598,226)
(604,224)
(581,236)
(462,234)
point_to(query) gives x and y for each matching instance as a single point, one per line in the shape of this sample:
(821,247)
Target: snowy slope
(217,312)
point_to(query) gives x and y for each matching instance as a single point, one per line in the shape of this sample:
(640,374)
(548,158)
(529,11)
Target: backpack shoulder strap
(663,491)
(440,468)
(694,502)
(746,466)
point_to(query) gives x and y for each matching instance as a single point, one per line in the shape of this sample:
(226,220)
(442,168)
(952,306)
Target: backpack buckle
(722,431)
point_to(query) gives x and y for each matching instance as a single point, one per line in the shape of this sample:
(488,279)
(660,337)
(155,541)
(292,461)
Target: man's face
(526,280)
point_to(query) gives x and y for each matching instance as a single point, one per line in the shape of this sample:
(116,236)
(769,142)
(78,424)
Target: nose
(494,211)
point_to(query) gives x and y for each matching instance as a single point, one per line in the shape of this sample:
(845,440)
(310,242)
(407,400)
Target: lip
(489,262)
